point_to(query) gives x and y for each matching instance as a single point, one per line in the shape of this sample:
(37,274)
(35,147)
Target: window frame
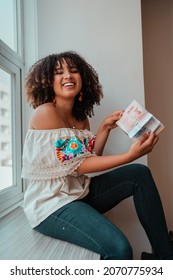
(13,63)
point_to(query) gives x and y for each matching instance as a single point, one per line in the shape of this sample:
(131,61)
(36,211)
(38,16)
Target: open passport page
(136,121)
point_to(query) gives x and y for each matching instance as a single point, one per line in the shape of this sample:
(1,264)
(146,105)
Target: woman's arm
(103,132)
(138,149)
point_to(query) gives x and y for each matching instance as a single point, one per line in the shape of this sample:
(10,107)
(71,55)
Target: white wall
(30,48)
(108,34)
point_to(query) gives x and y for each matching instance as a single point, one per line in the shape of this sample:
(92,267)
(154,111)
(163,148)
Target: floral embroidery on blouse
(73,147)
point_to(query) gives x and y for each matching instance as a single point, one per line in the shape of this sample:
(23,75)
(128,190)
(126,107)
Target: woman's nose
(67,75)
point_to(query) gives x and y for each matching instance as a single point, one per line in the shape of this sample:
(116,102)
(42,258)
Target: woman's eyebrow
(71,66)
(68,66)
(58,66)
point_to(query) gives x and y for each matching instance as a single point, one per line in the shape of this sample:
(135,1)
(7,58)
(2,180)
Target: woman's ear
(80,96)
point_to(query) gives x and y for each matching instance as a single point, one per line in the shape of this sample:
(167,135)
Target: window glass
(8,23)
(5,130)
(11,85)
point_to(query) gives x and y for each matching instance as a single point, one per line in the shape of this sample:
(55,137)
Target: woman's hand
(110,121)
(104,130)
(143,146)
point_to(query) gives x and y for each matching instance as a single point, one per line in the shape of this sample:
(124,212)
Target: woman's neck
(65,112)
(65,106)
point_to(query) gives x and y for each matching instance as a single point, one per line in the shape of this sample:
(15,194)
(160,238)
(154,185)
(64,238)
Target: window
(11,84)
(10,23)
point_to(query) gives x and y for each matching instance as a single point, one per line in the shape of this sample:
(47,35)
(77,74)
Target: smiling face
(67,81)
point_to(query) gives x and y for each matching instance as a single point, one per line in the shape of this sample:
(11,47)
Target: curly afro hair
(39,83)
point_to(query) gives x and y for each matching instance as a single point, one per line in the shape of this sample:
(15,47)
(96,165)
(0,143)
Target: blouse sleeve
(49,155)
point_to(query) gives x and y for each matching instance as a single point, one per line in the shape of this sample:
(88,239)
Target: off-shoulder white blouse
(50,158)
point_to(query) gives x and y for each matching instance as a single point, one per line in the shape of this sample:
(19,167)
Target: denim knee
(120,250)
(142,174)
(140,169)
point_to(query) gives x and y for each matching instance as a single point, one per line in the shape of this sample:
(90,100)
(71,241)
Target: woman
(61,200)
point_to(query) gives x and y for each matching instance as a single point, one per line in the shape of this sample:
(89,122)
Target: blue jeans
(82,222)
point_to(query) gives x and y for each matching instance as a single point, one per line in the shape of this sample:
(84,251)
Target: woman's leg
(108,189)
(80,224)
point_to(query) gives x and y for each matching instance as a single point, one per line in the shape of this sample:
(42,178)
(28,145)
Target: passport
(136,120)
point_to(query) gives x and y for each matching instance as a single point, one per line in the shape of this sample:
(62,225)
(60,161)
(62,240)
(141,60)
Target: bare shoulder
(45,117)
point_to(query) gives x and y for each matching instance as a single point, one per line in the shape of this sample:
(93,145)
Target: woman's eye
(71,70)
(58,72)
(74,70)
